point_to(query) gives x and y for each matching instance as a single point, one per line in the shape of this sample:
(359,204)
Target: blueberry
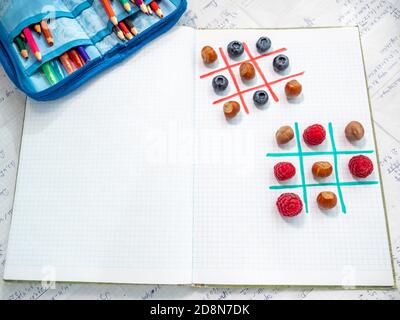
(260,97)
(263,44)
(281,62)
(235,49)
(220,83)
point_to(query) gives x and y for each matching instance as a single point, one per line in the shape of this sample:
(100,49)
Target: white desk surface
(379,22)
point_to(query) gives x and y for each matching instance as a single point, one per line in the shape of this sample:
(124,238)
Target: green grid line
(300,154)
(335,160)
(323,184)
(317,153)
(334,153)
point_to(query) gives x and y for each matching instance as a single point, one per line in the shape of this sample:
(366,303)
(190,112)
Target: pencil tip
(114,20)
(128,7)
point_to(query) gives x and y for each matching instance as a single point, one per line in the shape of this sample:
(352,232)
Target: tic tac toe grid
(252,59)
(335,153)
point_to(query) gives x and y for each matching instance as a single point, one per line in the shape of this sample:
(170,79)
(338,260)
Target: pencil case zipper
(98,65)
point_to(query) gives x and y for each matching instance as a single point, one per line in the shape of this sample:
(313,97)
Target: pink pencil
(32,43)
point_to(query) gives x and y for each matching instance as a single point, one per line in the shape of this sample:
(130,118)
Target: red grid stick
(255,63)
(235,82)
(258,87)
(239,63)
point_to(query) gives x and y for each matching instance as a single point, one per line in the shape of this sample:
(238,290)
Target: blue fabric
(81,22)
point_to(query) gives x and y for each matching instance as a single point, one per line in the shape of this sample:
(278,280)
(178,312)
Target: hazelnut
(209,55)
(247,71)
(327,200)
(322,169)
(231,109)
(293,89)
(354,131)
(284,135)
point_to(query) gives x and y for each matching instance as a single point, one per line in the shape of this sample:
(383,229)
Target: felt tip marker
(67,64)
(76,58)
(84,55)
(58,70)
(32,43)
(49,73)
(47,33)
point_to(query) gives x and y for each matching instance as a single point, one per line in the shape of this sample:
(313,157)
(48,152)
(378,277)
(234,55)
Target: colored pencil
(84,55)
(38,28)
(154,6)
(49,73)
(47,33)
(149,9)
(67,64)
(119,33)
(142,6)
(125,30)
(110,11)
(58,70)
(32,43)
(23,50)
(126,5)
(76,58)
(131,26)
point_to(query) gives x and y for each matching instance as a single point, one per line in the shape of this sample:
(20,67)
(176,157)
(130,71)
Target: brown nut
(354,131)
(327,200)
(293,89)
(247,71)
(322,169)
(209,55)
(284,135)
(231,109)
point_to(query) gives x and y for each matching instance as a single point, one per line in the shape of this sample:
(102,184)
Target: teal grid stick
(317,153)
(335,160)
(337,183)
(300,155)
(324,184)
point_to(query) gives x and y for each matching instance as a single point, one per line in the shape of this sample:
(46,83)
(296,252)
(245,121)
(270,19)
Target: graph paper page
(239,237)
(104,190)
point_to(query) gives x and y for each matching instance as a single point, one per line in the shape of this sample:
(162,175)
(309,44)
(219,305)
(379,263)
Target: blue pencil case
(49,48)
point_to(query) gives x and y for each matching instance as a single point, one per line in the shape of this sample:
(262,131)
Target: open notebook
(138,177)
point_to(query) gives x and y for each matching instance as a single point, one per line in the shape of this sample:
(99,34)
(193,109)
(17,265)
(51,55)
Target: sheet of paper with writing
(239,237)
(104,191)
(12,106)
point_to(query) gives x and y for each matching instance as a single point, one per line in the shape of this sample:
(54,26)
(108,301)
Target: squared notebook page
(239,237)
(105,182)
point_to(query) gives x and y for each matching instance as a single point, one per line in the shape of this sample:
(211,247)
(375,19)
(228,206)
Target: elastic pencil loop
(21,14)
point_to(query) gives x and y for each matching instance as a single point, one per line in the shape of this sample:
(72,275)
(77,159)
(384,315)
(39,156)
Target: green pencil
(49,73)
(23,50)
(126,5)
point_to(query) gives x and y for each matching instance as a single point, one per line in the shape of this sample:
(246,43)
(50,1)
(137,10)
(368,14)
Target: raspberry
(361,166)
(314,135)
(289,204)
(284,171)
